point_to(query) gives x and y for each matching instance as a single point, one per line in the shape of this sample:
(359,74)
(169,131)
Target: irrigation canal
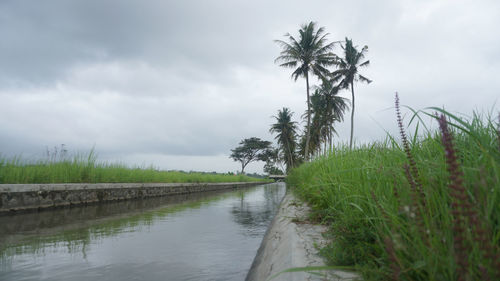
(204,236)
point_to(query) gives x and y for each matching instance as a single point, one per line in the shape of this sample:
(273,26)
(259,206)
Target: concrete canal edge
(291,242)
(29,197)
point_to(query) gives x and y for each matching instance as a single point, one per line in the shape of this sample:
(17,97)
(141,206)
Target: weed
(426,210)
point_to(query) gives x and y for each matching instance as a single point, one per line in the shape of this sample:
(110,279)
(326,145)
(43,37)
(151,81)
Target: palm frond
(364,79)
(366,63)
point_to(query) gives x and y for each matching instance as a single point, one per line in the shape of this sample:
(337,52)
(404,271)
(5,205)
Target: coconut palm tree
(285,129)
(318,110)
(310,53)
(347,72)
(326,108)
(334,108)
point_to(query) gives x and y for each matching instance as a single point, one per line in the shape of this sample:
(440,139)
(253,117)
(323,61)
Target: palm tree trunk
(330,139)
(308,133)
(352,115)
(289,161)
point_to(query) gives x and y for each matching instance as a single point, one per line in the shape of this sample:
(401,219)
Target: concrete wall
(292,242)
(22,197)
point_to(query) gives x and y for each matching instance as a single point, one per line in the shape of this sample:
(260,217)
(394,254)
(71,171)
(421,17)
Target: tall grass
(425,208)
(85,168)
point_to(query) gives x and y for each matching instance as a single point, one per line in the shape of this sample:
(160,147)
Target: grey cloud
(43,40)
(187,80)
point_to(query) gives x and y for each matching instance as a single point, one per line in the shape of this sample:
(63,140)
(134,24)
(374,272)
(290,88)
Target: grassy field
(425,208)
(86,169)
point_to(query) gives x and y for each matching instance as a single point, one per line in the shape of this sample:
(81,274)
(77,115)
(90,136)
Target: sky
(178,84)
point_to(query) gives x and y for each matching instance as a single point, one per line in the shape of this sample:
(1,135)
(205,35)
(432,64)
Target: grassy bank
(430,211)
(86,169)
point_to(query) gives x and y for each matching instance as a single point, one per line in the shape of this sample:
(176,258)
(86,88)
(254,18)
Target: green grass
(388,228)
(86,169)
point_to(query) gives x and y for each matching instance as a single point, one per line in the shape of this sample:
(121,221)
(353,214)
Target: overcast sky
(177,84)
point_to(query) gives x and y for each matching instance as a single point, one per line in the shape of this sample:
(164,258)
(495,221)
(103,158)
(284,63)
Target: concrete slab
(31,197)
(292,242)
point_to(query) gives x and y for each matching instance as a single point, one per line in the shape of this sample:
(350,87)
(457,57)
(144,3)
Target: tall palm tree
(286,134)
(347,72)
(326,108)
(333,109)
(318,126)
(309,53)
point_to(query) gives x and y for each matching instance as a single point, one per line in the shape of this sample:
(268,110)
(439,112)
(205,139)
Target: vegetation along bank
(423,208)
(87,169)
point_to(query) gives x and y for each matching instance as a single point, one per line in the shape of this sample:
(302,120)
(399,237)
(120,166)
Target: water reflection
(254,214)
(75,227)
(185,237)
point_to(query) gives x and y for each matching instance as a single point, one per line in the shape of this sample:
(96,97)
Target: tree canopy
(310,53)
(285,130)
(249,150)
(348,72)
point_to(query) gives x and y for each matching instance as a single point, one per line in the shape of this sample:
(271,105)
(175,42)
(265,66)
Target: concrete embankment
(26,197)
(292,242)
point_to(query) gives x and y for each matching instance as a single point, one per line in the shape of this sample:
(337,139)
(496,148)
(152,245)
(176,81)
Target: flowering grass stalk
(436,217)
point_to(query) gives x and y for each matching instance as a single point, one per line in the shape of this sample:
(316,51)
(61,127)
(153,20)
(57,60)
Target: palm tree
(326,108)
(310,53)
(318,110)
(348,73)
(333,109)
(286,134)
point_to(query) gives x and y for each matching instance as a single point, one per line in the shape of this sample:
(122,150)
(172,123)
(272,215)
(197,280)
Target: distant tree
(272,170)
(273,159)
(285,130)
(348,73)
(256,175)
(310,53)
(252,149)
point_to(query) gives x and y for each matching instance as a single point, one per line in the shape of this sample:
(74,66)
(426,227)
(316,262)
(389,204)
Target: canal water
(205,236)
